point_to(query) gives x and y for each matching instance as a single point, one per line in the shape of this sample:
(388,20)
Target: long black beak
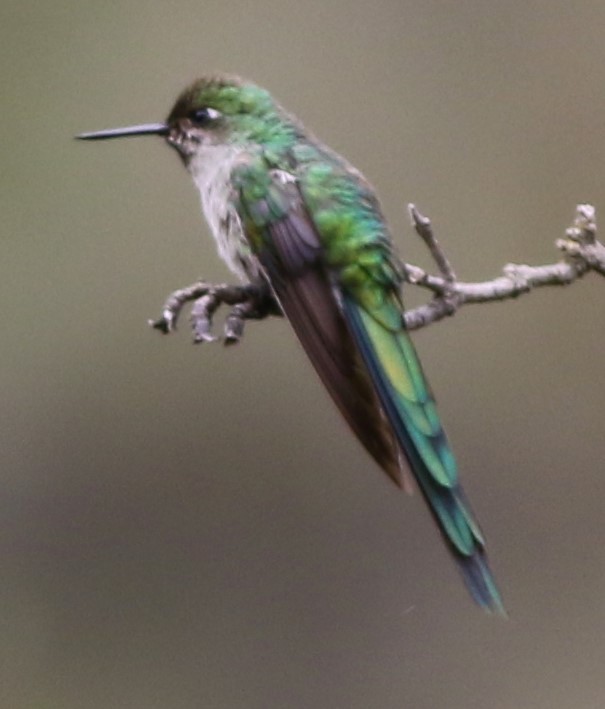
(144,129)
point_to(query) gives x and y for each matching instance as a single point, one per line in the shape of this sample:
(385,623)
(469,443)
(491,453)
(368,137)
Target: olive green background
(192,527)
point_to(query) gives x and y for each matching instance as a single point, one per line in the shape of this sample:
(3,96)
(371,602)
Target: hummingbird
(297,223)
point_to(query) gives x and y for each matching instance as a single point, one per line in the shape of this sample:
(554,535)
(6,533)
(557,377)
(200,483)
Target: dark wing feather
(308,300)
(289,251)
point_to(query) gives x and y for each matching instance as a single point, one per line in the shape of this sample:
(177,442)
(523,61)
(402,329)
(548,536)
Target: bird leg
(249,302)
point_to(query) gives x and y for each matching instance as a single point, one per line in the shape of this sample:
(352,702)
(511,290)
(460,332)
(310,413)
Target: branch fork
(581,253)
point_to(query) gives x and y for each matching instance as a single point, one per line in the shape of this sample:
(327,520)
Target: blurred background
(194,527)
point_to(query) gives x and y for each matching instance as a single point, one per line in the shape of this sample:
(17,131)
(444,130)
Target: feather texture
(321,241)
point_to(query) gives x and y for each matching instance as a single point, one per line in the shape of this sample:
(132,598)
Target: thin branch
(424,229)
(581,253)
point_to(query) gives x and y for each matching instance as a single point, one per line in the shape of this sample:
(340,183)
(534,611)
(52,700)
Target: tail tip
(482,585)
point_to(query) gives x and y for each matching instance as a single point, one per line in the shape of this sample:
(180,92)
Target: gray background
(192,527)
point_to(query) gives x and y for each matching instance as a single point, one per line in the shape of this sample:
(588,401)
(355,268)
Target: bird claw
(201,316)
(166,324)
(248,302)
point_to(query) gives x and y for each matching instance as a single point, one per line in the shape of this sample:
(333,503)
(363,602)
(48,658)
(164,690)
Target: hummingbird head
(216,111)
(224,110)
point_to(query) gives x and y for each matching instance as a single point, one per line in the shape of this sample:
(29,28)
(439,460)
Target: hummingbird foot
(250,302)
(261,303)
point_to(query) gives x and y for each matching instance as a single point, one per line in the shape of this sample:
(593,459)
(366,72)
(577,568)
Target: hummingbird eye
(204,116)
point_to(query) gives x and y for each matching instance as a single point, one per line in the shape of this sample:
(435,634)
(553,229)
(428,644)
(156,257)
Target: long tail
(403,391)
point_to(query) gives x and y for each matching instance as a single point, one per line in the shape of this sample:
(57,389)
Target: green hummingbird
(299,224)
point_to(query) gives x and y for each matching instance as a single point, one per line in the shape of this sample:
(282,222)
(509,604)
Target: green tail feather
(407,401)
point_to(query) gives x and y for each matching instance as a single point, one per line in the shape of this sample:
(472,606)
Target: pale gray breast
(211,171)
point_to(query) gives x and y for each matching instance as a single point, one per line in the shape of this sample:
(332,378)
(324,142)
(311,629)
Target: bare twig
(581,253)
(424,229)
